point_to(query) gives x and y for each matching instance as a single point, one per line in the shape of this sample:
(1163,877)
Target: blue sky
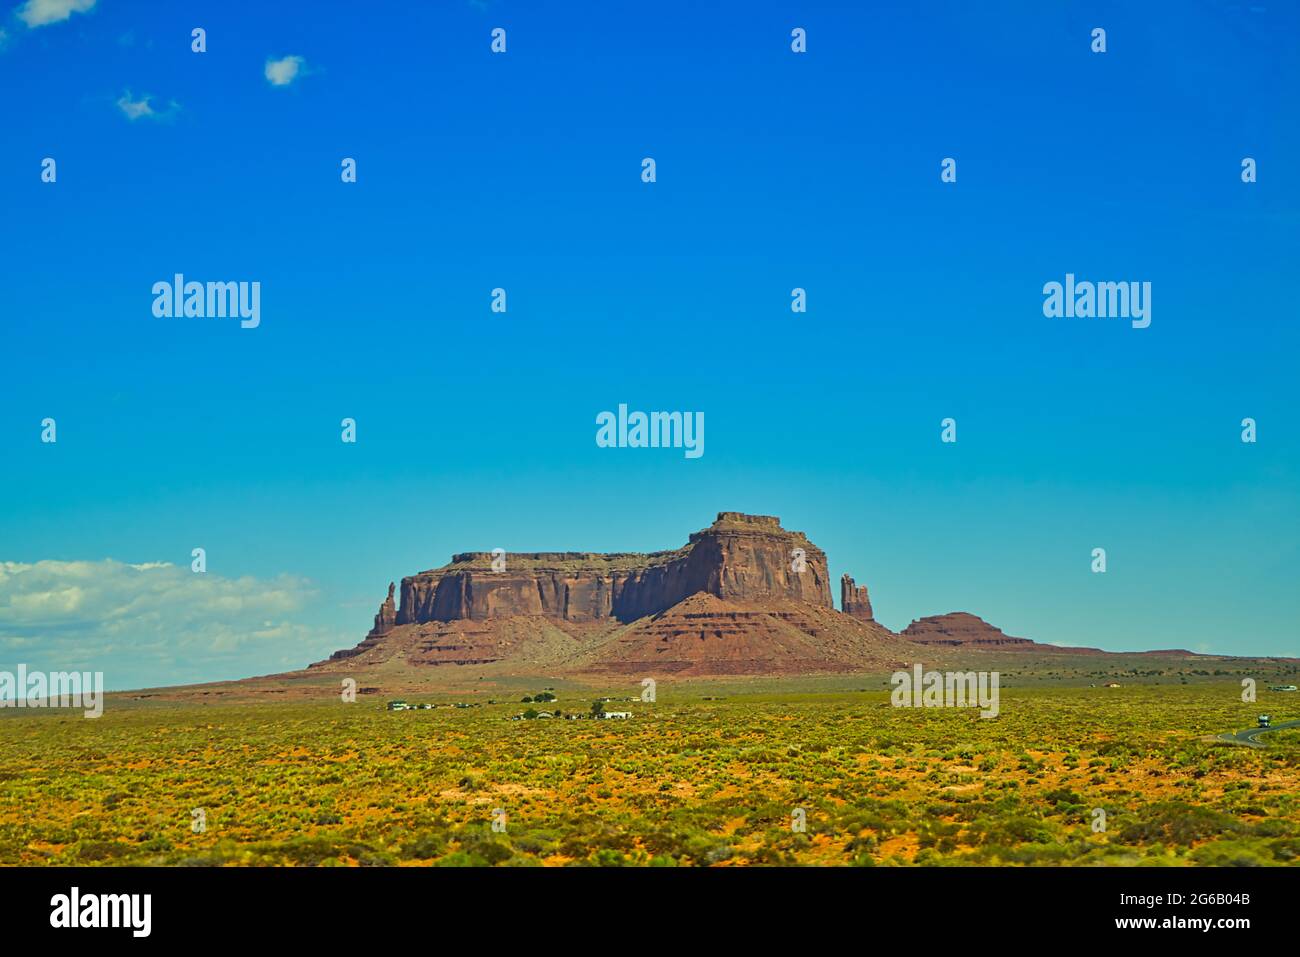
(522,171)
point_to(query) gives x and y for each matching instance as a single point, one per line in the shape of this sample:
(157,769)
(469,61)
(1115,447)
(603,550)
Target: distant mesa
(740,557)
(743,596)
(959,629)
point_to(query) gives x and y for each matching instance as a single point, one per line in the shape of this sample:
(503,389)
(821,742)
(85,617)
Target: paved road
(1250,734)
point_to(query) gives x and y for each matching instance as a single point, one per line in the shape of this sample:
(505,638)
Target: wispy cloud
(150,623)
(41,13)
(285,70)
(142,108)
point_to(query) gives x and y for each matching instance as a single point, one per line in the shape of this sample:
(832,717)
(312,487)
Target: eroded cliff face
(854,600)
(751,558)
(740,557)
(387,617)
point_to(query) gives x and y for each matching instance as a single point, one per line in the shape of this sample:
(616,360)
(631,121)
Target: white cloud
(152,623)
(284,71)
(40,13)
(134,109)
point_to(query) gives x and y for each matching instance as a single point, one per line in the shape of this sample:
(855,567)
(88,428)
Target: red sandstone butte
(743,596)
(962,629)
(745,557)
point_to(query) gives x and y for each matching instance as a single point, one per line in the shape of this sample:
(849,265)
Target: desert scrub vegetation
(695,779)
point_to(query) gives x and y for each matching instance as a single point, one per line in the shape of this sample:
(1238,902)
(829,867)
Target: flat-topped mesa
(769,522)
(739,557)
(854,600)
(960,629)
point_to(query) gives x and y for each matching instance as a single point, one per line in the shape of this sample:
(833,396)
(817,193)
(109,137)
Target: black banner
(922,906)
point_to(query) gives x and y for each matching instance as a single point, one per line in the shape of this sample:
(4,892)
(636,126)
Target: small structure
(614,714)
(1283,688)
(1111,684)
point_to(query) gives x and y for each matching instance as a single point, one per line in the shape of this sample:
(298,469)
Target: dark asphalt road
(1250,734)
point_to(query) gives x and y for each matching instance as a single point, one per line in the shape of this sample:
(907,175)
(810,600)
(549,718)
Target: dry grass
(686,781)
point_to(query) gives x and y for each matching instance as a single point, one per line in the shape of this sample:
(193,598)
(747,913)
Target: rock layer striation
(741,557)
